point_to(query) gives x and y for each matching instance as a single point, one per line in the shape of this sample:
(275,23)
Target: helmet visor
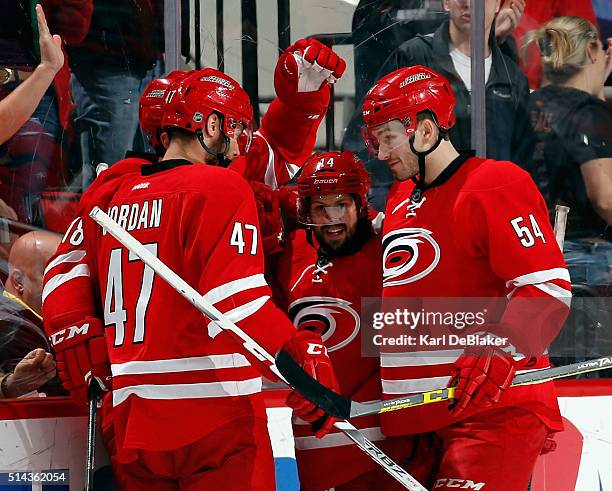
(321,214)
(241,131)
(383,139)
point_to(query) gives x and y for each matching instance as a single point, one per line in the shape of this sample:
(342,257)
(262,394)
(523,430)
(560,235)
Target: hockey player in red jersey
(461,226)
(324,273)
(187,411)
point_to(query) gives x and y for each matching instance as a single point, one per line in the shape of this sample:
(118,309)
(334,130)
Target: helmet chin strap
(420,187)
(222,161)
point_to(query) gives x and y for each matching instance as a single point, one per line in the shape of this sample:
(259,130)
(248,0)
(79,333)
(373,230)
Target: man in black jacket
(509,135)
(447,50)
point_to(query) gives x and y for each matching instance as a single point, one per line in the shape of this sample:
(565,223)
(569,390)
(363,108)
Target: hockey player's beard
(333,237)
(349,242)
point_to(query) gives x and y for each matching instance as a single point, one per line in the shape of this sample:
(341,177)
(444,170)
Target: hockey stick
(206,308)
(343,407)
(94,397)
(561,213)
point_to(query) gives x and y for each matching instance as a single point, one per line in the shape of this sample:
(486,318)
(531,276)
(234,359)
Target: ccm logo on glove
(316,349)
(58,337)
(458,483)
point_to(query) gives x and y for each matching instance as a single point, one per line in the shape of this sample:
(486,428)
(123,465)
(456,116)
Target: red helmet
(402,95)
(333,173)
(153,102)
(203,92)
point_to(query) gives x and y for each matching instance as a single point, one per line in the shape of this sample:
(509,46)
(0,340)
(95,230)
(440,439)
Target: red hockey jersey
(327,298)
(176,377)
(285,140)
(480,230)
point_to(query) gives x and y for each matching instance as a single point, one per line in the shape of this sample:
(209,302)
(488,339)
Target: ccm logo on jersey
(458,483)
(409,255)
(59,336)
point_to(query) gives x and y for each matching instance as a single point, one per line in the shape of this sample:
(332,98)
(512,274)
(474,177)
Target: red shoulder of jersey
(507,217)
(493,175)
(103,186)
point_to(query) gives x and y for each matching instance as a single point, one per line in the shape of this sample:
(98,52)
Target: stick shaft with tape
(561,213)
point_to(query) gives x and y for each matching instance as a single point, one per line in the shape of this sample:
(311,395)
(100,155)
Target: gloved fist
(288,201)
(482,375)
(81,355)
(308,64)
(308,350)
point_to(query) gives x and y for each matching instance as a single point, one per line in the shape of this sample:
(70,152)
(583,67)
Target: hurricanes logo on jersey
(334,318)
(409,255)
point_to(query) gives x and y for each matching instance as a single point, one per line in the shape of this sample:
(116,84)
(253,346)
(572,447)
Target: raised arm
(19,105)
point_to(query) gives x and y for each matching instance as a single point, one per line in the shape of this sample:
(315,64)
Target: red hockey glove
(81,354)
(482,375)
(307,64)
(307,349)
(268,213)
(288,199)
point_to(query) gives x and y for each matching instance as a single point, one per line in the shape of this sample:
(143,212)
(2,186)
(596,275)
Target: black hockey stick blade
(331,402)
(343,407)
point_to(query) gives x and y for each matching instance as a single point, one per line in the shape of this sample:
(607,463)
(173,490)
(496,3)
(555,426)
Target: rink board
(47,438)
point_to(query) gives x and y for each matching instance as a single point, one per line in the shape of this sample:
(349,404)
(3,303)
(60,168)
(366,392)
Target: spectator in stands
(603,12)
(21,103)
(447,51)
(537,13)
(6,239)
(31,373)
(573,157)
(380,27)
(35,152)
(111,68)
(20,303)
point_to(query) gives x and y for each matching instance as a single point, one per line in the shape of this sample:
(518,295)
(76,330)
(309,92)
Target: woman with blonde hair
(572,163)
